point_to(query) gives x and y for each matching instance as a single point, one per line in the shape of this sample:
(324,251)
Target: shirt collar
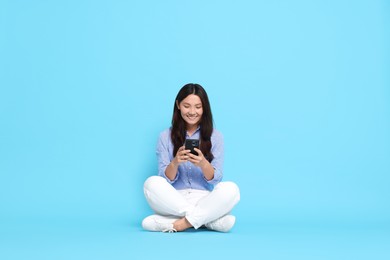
(196,131)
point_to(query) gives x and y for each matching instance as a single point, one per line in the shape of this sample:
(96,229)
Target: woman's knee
(229,187)
(152,182)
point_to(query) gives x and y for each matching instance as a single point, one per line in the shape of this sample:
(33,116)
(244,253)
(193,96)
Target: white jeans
(199,207)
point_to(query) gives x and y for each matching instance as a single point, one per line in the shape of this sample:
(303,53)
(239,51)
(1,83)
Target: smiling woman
(191,111)
(188,191)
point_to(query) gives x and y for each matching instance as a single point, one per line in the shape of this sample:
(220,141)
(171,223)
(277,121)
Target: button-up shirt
(190,176)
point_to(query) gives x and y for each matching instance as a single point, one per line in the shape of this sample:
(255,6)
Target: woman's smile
(191,110)
(192,117)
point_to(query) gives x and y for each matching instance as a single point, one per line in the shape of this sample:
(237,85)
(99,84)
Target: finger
(194,160)
(184,152)
(193,156)
(181,151)
(198,151)
(183,157)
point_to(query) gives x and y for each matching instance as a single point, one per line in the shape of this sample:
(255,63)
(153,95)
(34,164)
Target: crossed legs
(192,208)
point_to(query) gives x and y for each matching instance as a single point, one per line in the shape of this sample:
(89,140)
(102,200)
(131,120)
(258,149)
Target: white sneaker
(159,223)
(223,224)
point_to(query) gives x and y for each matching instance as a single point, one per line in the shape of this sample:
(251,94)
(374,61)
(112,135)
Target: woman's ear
(177,105)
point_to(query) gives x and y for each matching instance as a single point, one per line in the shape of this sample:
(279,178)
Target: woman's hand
(199,159)
(181,156)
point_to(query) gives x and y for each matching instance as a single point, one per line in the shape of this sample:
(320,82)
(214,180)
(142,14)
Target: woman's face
(191,110)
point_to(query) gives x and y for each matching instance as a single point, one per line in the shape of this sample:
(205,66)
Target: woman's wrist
(173,164)
(171,170)
(204,164)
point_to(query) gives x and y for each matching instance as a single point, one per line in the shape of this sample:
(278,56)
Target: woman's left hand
(199,159)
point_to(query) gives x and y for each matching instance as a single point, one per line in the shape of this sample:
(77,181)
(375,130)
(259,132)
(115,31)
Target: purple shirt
(190,176)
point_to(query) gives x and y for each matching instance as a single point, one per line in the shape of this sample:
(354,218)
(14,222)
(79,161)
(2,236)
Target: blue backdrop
(300,90)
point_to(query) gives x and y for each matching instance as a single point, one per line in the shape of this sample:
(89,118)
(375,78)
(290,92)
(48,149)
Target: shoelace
(169,230)
(166,230)
(215,223)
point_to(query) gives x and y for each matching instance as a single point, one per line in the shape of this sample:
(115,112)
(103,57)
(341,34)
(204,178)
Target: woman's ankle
(181,224)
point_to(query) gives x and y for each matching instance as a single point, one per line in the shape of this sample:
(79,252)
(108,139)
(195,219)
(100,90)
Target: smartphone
(190,144)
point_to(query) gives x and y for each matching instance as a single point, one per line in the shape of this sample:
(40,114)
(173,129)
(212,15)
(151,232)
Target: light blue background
(300,90)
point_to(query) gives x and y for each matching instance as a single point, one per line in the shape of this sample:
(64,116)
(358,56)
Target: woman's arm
(207,169)
(200,161)
(181,156)
(211,171)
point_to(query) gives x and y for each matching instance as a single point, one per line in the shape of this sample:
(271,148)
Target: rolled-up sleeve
(217,149)
(164,155)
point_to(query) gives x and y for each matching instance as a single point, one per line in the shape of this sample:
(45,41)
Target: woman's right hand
(181,156)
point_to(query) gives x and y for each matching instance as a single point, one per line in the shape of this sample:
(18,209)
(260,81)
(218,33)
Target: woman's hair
(178,130)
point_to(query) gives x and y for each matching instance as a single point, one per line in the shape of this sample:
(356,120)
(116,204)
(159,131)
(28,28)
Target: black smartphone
(190,144)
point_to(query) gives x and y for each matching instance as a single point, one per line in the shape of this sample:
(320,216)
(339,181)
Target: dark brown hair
(178,130)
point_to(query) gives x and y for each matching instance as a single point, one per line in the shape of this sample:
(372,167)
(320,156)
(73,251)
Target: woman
(188,191)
